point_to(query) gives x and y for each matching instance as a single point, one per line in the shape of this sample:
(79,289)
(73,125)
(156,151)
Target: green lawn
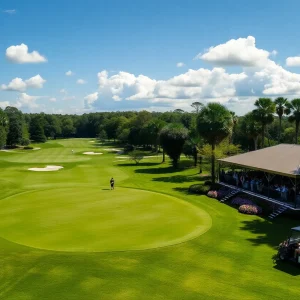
(65,235)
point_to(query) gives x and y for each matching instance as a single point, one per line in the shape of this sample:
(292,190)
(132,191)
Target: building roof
(283,159)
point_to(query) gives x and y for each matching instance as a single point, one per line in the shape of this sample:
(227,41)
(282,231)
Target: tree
(3,118)
(15,124)
(250,128)
(295,117)
(264,114)
(68,128)
(197,106)
(214,124)
(102,136)
(283,107)
(36,129)
(172,139)
(136,156)
(3,136)
(234,122)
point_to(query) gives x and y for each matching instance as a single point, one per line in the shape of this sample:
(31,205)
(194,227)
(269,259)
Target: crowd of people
(278,187)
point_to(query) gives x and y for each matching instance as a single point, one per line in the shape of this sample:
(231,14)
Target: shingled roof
(283,159)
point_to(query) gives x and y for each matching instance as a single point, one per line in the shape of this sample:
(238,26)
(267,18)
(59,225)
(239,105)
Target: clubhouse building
(271,174)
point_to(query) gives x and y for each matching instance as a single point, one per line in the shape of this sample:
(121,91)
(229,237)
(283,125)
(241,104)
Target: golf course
(64,234)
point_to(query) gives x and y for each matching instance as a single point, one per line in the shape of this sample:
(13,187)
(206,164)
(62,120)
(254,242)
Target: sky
(75,56)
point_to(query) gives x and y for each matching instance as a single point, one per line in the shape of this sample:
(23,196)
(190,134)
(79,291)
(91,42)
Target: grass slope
(232,260)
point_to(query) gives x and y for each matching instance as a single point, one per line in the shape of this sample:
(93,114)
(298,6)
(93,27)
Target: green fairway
(94,219)
(65,235)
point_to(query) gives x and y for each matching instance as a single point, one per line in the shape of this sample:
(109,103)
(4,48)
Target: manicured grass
(232,260)
(95,219)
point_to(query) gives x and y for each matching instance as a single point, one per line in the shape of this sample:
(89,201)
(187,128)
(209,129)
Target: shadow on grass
(145,164)
(184,190)
(177,179)
(288,267)
(267,232)
(105,189)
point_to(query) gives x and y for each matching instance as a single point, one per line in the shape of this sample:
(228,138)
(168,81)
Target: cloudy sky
(74,56)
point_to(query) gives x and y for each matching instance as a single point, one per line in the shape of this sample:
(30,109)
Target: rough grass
(233,260)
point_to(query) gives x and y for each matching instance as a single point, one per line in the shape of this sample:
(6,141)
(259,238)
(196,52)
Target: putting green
(95,219)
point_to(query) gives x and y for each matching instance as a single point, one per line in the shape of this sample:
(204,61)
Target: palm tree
(251,128)
(197,106)
(295,117)
(234,122)
(214,124)
(283,107)
(264,114)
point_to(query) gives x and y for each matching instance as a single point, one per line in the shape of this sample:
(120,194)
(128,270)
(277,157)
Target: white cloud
(242,52)
(180,64)
(274,52)
(293,61)
(9,11)
(19,85)
(4,104)
(69,73)
(90,99)
(26,101)
(116,98)
(81,81)
(19,54)
(68,98)
(52,99)
(63,91)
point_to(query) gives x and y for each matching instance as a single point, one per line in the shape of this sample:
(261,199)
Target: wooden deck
(281,203)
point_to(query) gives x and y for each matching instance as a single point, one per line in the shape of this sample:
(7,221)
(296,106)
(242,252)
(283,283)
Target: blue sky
(137,46)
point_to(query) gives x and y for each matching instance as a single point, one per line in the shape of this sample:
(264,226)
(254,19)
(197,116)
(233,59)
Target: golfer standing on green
(112,184)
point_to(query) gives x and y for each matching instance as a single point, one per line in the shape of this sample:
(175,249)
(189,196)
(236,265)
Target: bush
(27,148)
(241,201)
(250,209)
(199,189)
(208,182)
(212,194)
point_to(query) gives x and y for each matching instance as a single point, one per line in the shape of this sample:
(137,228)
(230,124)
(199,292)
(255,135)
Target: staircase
(278,212)
(229,195)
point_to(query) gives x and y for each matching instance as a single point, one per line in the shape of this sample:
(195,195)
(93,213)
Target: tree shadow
(268,232)
(133,164)
(183,190)
(158,170)
(288,267)
(105,189)
(178,178)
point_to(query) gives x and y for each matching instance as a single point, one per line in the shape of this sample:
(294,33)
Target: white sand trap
(91,141)
(46,169)
(92,153)
(36,149)
(5,150)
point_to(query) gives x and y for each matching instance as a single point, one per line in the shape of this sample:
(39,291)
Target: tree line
(173,132)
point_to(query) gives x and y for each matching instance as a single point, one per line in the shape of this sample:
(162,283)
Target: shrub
(208,182)
(27,148)
(250,209)
(199,189)
(212,194)
(241,201)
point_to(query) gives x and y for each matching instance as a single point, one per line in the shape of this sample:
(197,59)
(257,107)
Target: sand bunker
(36,149)
(46,169)
(91,141)
(92,153)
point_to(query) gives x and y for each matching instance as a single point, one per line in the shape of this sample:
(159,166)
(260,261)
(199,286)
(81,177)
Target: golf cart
(287,250)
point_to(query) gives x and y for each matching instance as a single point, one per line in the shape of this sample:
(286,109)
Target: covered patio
(272,174)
